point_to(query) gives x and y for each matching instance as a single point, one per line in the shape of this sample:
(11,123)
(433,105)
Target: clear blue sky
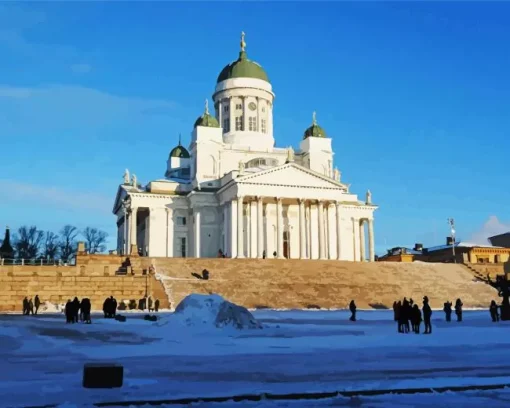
(414,95)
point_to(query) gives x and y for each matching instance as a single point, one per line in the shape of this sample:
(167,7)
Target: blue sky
(414,95)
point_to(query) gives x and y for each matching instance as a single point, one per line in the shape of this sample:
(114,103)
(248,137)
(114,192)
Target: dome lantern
(242,67)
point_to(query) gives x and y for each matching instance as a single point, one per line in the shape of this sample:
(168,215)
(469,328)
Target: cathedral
(233,193)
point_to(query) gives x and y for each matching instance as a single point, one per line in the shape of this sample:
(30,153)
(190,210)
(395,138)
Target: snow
(42,359)
(213,311)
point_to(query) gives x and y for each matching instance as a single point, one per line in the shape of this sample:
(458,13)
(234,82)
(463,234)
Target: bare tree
(28,242)
(50,245)
(67,243)
(95,240)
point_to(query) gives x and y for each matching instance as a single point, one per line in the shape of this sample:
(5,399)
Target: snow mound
(213,310)
(48,307)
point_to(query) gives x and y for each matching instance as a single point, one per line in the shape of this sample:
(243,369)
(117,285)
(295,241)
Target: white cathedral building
(232,190)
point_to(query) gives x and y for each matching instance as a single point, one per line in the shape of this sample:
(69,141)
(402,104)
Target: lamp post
(451,222)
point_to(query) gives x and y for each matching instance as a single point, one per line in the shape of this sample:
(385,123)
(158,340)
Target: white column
(338,232)
(322,246)
(362,240)
(233,229)
(371,247)
(231,114)
(226,232)
(302,230)
(258,115)
(279,228)
(253,229)
(220,112)
(355,237)
(169,232)
(197,232)
(240,225)
(245,113)
(260,227)
(132,231)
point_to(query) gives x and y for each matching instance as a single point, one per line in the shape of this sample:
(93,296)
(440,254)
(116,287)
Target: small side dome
(179,151)
(242,67)
(207,119)
(315,130)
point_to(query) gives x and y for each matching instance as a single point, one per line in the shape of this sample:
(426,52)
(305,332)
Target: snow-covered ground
(41,359)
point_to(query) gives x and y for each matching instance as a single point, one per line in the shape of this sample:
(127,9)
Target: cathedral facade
(232,191)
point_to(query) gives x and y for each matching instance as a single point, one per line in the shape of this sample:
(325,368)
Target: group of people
(110,307)
(409,316)
(31,307)
(78,311)
(447,309)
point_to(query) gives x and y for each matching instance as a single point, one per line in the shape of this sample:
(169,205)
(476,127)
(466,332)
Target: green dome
(242,67)
(207,120)
(179,151)
(315,130)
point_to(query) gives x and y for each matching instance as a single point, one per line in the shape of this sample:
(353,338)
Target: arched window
(262,161)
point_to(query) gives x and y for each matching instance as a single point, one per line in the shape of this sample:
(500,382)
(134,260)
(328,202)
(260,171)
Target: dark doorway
(286,246)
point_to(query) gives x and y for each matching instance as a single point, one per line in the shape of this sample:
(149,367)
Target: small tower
(6,250)
(316,149)
(178,162)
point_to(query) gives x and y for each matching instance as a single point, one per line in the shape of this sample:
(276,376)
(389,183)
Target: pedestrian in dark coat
(448,310)
(31,306)
(69,311)
(37,303)
(427,314)
(352,308)
(416,319)
(156,305)
(494,311)
(458,309)
(395,312)
(25,306)
(76,309)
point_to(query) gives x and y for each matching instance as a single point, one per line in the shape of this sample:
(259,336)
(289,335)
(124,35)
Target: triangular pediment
(291,175)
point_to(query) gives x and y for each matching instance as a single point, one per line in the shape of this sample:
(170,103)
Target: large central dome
(242,67)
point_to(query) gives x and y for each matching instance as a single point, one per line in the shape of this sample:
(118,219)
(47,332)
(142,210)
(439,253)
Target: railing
(35,262)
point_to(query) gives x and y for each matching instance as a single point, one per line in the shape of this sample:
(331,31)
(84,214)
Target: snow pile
(213,310)
(48,307)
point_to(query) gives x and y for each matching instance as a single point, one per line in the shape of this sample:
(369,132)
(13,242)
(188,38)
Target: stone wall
(252,283)
(95,280)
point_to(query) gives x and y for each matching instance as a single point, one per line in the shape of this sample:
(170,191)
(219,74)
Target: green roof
(315,130)
(207,119)
(242,67)
(179,151)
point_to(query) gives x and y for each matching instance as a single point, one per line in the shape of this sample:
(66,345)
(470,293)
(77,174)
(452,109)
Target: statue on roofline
(290,154)
(337,174)
(369,197)
(134,181)
(241,167)
(126,176)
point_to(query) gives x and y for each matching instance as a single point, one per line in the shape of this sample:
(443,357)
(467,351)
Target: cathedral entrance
(286,246)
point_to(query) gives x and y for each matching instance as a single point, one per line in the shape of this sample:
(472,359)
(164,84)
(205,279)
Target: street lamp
(451,222)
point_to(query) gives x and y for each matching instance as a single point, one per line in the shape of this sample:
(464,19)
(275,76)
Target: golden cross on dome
(243,43)
(207,106)
(314,118)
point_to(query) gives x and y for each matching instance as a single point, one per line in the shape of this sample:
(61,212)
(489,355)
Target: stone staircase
(329,284)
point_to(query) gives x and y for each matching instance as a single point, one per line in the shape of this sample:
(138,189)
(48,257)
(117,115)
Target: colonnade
(235,233)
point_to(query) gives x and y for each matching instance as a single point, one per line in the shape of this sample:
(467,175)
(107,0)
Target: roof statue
(369,197)
(241,167)
(243,43)
(126,176)
(337,174)
(134,181)
(290,154)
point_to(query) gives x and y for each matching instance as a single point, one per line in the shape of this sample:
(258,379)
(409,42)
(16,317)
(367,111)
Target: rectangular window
(225,108)
(263,126)
(239,106)
(263,109)
(239,123)
(226,125)
(183,247)
(181,220)
(252,124)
